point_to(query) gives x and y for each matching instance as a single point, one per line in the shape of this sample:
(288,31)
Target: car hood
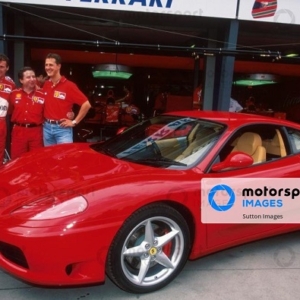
(66,167)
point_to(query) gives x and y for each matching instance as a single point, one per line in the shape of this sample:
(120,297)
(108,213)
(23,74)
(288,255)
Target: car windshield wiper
(158,161)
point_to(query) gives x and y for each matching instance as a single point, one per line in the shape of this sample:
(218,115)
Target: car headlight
(51,207)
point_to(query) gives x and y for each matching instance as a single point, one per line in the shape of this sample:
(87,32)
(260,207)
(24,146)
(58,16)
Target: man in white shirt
(234,106)
(6,86)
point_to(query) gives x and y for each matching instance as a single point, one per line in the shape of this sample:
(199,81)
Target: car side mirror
(234,160)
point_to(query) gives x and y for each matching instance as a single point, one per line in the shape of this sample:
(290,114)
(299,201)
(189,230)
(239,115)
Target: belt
(28,125)
(53,121)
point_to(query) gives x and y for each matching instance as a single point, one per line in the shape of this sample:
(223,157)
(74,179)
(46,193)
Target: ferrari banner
(204,8)
(277,11)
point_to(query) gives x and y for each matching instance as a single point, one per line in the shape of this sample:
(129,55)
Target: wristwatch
(74,122)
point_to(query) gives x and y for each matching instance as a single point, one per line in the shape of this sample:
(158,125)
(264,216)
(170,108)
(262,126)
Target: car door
(286,166)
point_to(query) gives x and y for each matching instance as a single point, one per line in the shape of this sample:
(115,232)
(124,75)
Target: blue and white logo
(228,194)
(250,200)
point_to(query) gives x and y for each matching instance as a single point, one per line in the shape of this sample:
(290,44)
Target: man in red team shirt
(6,86)
(61,94)
(27,106)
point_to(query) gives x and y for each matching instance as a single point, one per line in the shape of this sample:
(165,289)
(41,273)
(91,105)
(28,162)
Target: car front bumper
(56,256)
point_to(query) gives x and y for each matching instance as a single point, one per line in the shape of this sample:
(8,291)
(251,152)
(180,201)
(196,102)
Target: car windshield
(164,141)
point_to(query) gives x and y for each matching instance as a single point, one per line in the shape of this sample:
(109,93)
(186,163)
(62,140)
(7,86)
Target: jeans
(54,134)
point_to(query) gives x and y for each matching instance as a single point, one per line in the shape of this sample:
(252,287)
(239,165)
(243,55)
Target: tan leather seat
(201,137)
(276,145)
(192,135)
(251,144)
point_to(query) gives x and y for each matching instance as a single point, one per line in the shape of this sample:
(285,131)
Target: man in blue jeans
(60,96)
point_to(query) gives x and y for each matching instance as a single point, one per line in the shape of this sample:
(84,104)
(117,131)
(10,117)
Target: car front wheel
(150,249)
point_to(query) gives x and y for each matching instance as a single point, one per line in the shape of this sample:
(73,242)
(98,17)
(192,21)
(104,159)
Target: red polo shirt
(60,98)
(27,108)
(6,87)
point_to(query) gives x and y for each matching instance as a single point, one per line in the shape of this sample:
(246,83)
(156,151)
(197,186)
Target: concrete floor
(267,269)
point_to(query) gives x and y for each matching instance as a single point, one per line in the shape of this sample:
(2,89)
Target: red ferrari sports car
(130,207)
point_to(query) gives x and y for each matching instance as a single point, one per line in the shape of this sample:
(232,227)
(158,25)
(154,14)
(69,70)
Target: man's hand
(66,123)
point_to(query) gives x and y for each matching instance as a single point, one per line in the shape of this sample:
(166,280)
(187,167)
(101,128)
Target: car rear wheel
(150,249)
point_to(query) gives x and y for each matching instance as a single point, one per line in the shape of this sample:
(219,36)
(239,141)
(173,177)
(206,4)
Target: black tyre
(150,249)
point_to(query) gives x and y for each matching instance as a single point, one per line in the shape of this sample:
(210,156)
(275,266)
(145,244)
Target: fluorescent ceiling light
(111,74)
(291,55)
(257,79)
(111,71)
(247,82)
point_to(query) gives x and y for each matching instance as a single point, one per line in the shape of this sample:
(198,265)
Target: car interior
(191,141)
(200,138)
(251,143)
(275,147)
(189,146)
(263,143)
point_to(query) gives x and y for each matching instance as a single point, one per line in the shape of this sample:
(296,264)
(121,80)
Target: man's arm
(81,114)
